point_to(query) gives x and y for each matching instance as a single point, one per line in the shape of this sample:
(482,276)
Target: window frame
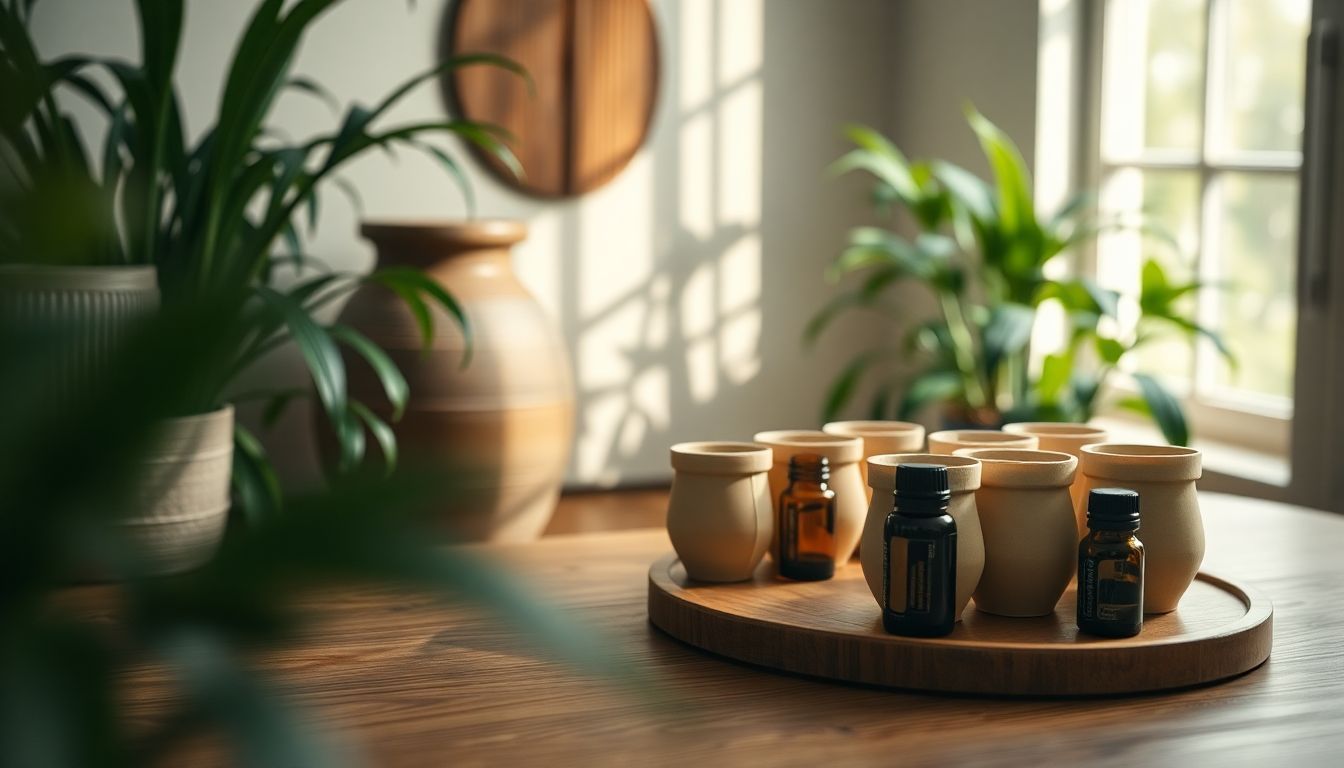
(1246,421)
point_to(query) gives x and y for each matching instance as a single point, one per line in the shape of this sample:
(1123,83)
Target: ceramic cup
(1026,517)
(719,515)
(1170,526)
(844,455)
(879,437)
(948,441)
(1065,437)
(963,478)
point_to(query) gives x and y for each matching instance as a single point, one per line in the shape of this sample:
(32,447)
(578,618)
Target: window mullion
(1205,266)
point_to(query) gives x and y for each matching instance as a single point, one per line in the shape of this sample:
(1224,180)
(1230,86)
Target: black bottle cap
(1113,509)
(921,489)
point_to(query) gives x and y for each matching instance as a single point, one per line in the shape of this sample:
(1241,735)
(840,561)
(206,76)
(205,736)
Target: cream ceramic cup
(879,437)
(963,478)
(1170,525)
(719,514)
(843,454)
(1026,518)
(948,441)
(1065,437)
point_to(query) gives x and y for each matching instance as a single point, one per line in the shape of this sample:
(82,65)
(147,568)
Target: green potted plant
(983,252)
(208,219)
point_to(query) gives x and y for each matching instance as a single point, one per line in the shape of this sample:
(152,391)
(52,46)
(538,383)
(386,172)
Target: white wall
(948,53)
(682,287)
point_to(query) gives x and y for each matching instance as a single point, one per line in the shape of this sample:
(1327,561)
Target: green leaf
(967,190)
(1007,332)
(454,170)
(258,723)
(932,386)
(1056,370)
(1109,350)
(411,284)
(256,489)
(1106,301)
(1085,389)
(277,403)
(1155,290)
(393,383)
(842,389)
(321,356)
(1016,207)
(1165,409)
(1195,328)
(316,90)
(879,157)
(1072,207)
(823,318)
(382,433)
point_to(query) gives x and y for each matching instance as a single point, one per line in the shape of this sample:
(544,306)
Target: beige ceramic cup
(949,441)
(1170,525)
(1065,437)
(719,514)
(879,437)
(844,455)
(963,478)
(1026,518)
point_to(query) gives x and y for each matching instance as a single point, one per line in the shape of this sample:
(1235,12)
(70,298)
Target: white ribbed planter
(180,498)
(96,305)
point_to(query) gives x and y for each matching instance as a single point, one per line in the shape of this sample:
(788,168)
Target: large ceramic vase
(96,305)
(180,499)
(879,437)
(843,455)
(498,428)
(1026,519)
(948,441)
(719,514)
(1065,437)
(1170,525)
(963,480)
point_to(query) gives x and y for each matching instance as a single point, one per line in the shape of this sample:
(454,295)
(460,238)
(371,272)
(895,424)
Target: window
(1200,106)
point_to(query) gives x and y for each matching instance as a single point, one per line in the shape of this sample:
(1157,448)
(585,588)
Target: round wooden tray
(833,629)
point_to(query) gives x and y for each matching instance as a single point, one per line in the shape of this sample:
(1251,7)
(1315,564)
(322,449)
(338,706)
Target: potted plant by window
(205,221)
(983,251)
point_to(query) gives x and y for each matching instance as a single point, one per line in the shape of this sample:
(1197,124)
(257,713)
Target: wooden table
(417,684)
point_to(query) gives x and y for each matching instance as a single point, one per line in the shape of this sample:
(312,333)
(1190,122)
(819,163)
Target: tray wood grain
(833,629)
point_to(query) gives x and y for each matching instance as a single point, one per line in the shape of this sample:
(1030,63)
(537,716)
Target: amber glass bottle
(806,522)
(919,555)
(1110,565)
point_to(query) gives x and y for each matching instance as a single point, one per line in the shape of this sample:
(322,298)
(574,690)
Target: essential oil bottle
(919,555)
(806,521)
(1110,566)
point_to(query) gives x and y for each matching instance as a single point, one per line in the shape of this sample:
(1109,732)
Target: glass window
(1200,135)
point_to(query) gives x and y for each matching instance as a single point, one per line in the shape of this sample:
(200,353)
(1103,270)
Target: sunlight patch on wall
(661,335)
(697,174)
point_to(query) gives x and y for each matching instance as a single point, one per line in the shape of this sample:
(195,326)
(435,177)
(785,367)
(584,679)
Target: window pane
(1163,40)
(1257,79)
(1253,249)
(1168,201)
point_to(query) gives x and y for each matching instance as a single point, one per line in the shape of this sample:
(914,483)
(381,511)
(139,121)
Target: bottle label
(914,565)
(1112,591)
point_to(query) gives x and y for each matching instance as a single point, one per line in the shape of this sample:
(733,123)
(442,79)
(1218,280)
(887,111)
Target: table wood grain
(415,683)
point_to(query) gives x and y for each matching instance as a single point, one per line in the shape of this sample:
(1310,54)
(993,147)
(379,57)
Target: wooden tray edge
(1227,652)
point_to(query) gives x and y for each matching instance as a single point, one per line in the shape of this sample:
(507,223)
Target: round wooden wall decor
(594,64)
